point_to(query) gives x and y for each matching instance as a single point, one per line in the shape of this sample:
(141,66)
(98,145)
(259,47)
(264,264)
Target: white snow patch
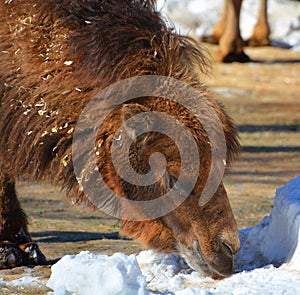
(88,273)
(199,16)
(26,281)
(275,240)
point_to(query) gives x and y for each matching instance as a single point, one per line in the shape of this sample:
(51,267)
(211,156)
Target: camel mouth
(218,265)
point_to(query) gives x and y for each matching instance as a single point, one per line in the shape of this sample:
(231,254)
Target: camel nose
(227,249)
(229,246)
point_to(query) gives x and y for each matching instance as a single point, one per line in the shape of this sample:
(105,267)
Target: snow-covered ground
(268,263)
(199,16)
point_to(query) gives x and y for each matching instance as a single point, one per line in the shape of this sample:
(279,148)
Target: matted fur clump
(55,56)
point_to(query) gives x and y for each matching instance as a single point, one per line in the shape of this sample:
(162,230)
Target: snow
(88,273)
(267,263)
(276,239)
(199,16)
(26,281)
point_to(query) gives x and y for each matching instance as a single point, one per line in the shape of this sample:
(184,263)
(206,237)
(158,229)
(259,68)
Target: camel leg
(231,43)
(218,29)
(16,246)
(261,32)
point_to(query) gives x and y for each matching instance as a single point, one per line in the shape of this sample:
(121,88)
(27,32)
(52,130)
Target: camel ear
(136,119)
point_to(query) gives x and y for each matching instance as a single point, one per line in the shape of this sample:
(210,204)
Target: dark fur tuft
(56,55)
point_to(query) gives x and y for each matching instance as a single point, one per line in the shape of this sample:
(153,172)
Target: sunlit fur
(54,57)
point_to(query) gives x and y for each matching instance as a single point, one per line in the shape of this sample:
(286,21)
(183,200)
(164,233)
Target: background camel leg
(231,43)
(227,34)
(218,29)
(261,31)
(16,246)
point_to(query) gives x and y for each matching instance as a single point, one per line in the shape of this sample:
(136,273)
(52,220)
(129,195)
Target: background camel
(227,34)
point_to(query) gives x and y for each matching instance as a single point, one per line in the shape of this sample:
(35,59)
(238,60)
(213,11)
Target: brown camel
(55,57)
(227,34)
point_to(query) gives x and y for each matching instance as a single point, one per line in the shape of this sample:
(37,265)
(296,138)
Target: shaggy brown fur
(54,57)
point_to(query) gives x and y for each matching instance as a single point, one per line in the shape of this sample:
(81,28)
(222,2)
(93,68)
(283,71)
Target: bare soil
(263,98)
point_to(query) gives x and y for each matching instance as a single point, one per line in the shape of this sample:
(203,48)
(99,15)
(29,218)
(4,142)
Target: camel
(227,34)
(55,57)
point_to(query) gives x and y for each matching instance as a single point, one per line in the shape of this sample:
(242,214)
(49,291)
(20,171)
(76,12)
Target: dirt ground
(263,97)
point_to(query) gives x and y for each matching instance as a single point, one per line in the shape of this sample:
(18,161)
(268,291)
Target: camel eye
(172,182)
(183,188)
(221,213)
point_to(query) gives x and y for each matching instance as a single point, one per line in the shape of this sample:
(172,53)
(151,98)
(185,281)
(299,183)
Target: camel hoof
(12,255)
(235,57)
(35,255)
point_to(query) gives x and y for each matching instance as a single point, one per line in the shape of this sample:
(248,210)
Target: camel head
(205,234)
